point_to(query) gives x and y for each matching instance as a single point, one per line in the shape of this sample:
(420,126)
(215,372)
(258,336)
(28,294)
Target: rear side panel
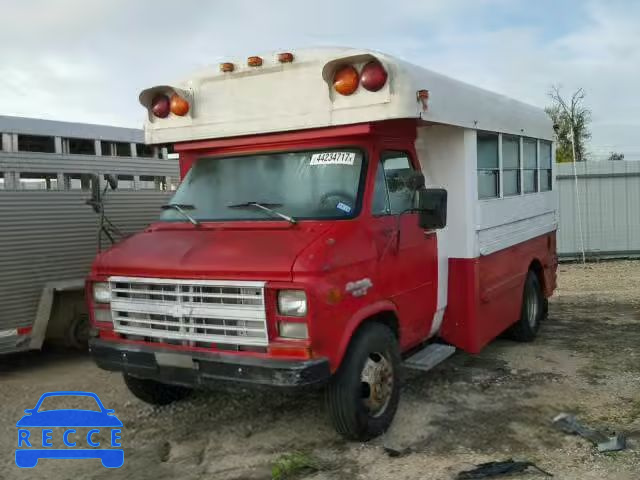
(485,294)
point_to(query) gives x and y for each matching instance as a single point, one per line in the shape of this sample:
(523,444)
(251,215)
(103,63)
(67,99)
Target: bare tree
(571,120)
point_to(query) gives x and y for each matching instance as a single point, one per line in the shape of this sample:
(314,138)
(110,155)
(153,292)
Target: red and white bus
(341,213)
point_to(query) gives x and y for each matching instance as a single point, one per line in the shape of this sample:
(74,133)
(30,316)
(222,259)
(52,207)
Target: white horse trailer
(48,234)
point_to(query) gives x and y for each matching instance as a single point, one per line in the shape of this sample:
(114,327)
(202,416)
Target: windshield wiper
(265,207)
(179,207)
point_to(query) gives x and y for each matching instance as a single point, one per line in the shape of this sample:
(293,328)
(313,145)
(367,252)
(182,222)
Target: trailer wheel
(362,398)
(153,392)
(533,311)
(78,331)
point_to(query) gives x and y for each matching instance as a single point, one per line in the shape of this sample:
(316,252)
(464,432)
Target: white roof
(279,97)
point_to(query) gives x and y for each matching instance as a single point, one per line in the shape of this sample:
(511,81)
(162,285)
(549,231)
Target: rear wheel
(362,398)
(532,313)
(153,392)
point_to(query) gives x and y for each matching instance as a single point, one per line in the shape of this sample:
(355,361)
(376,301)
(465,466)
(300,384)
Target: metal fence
(608,204)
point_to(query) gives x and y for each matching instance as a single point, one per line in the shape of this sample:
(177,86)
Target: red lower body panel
(485,293)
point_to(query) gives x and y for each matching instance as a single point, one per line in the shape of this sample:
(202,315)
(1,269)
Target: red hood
(266,251)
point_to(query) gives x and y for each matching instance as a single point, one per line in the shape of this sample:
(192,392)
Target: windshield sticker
(333,158)
(344,207)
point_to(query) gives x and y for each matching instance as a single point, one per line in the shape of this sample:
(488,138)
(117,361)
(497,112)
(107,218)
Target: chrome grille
(189,311)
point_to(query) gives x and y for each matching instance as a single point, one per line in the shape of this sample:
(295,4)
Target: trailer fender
(43,314)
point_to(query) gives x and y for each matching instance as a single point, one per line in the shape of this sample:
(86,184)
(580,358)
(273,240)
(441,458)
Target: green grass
(294,465)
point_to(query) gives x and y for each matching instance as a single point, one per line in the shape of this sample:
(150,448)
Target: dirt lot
(471,409)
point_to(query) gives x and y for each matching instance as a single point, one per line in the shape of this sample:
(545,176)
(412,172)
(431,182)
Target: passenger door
(407,255)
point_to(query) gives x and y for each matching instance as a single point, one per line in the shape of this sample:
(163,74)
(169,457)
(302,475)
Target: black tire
(77,334)
(350,400)
(153,392)
(532,313)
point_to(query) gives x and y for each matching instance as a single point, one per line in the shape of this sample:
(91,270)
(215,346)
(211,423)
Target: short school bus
(341,212)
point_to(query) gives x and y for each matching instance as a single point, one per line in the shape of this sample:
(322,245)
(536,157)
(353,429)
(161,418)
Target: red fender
(354,323)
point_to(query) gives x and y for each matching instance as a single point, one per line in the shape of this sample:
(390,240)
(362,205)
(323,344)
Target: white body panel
(448,157)
(299,95)
(503,222)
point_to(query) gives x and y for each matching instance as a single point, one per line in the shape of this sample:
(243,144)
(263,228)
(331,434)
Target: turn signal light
(373,76)
(179,106)
(226,67)
(254,61)
(160,106)
(345,80)
(285,57)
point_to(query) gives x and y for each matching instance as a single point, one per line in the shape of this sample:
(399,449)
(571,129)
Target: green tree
(570,118)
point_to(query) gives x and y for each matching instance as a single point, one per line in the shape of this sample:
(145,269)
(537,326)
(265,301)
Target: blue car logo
(36,438)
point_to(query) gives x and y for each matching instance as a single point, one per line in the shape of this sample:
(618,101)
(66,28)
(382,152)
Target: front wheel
(532,313)
(153,392)
(362,398)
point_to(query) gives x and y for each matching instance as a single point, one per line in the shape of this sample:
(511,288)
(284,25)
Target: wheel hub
(377,383)
(532,308)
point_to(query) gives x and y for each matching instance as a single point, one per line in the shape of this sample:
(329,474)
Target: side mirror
(112,180)
(432,208)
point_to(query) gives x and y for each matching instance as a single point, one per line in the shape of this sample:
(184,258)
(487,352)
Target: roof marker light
(160,106)
(345,80)
(227,67)
(285,57)
(254,61)
(373,76)
(179,106)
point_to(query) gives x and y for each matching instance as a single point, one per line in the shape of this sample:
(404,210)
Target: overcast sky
(86,61)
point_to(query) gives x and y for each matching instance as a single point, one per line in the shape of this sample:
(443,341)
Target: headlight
(292,303)
(101,292)
(296,330)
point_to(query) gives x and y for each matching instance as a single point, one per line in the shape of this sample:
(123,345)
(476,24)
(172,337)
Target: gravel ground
(469,410)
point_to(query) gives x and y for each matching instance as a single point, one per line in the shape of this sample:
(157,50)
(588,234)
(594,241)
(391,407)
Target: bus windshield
(319,184)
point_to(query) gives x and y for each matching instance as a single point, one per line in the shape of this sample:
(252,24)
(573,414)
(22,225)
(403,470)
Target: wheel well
(387,318)
(67,308)
(536,267)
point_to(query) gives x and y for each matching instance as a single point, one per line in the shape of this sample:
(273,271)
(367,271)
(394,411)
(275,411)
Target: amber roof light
(345,80)
(227,67)
(179,106)
(285,57)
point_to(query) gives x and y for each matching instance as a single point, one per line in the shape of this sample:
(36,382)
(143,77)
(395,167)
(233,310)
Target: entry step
(429,356)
